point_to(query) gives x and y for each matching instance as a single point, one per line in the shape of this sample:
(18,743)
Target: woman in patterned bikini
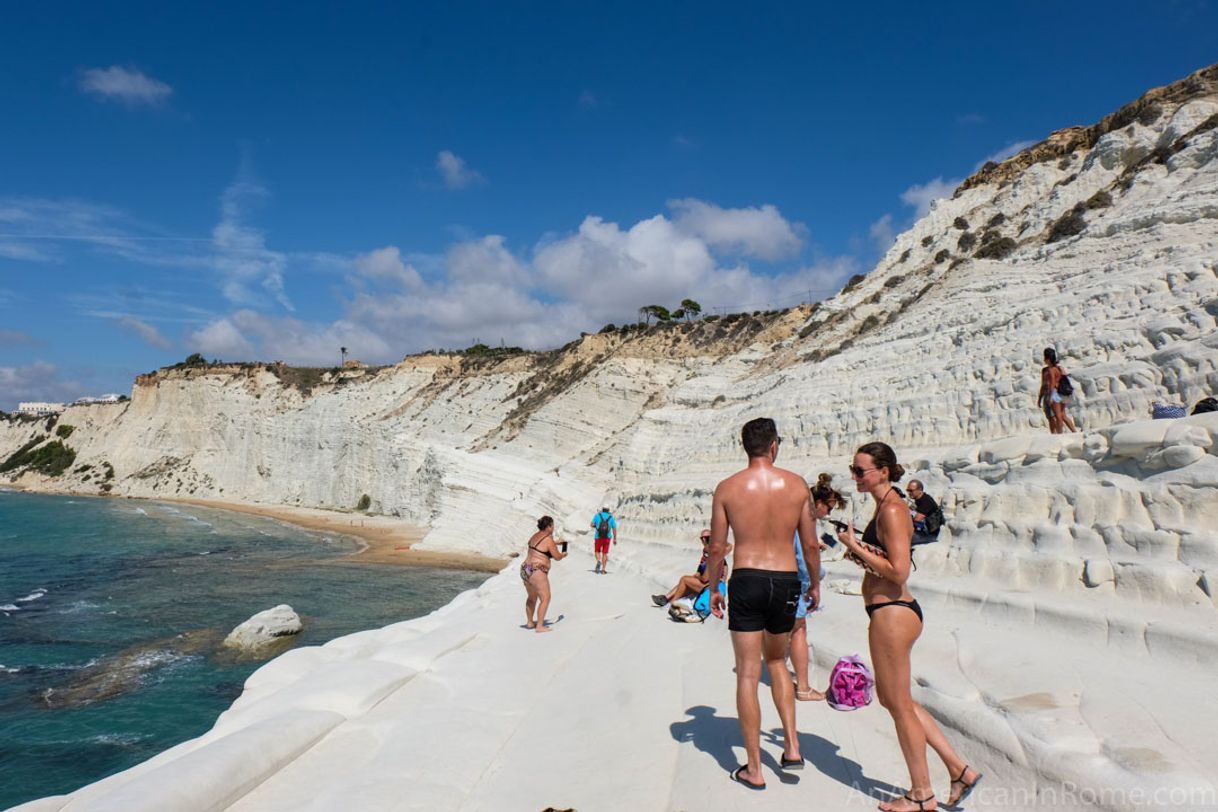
(535,572)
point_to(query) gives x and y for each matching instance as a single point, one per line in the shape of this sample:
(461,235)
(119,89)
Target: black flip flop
(792,763)
(740,779)
(968,787)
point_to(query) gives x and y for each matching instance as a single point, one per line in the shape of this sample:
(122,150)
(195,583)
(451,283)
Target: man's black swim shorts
(762,599)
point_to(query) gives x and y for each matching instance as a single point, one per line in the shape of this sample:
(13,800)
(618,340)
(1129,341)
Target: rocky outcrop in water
(265,628)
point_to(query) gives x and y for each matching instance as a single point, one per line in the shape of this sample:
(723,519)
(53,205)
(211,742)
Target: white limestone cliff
(1073,570)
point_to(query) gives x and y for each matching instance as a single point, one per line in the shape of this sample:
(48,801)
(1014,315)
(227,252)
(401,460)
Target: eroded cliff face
(1102,243)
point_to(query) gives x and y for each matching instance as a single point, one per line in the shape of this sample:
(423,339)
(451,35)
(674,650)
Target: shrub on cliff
(1068,225)
(1098,200)
(853,282)
(996,249)
(364,502)
(19,457)
(51,459)
(193,360)
(65,431)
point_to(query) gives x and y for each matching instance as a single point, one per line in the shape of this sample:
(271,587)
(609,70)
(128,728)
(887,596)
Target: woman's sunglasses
(860,472)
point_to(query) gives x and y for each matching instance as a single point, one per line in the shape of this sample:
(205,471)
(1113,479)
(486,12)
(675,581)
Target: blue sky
(274,181)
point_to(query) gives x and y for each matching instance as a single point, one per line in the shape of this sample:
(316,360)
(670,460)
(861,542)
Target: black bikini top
(546,553)
(871,536)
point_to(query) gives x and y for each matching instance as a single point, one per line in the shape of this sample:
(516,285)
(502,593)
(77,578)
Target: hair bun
(824,479)
(897,472)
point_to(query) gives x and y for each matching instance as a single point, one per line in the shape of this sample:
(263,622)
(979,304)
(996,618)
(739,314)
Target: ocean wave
(118,739)
(30,598)
(141,511)
(77,607)
(154,658)
(4,669)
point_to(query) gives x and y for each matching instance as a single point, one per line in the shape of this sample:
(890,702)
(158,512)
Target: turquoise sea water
(111,614)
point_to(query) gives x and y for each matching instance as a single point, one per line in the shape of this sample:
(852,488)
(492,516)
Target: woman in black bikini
(535,572)
(896,622)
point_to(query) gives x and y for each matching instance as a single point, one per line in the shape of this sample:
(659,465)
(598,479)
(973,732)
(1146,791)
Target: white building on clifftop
(35,407)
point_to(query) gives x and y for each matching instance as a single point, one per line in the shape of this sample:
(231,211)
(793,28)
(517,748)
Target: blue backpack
(702,602)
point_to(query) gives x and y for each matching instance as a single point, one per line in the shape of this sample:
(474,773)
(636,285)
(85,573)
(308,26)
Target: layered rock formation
(1101,241)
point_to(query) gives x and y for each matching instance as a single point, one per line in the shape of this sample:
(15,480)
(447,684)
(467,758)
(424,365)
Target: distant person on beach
(824,499)
(1054,394)
(764,506)
(691,585)
(896,622)
(606,531)
(535,572)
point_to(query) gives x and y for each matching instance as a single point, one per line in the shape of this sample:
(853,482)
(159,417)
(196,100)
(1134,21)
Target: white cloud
(480,290)
(14,338)
(39,381)
(760,232)
(145,331)
(1013,148)
(247,335)
(22,252)
(453,170)
(920,196)
(221,339)
(126,85)
(485,260)
(240,253)
(882,233)
(386,263)
(611,270)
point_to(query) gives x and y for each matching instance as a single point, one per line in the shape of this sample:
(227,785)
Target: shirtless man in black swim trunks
(764,506)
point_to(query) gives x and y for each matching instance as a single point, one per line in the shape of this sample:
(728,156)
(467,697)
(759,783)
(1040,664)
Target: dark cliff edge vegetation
(51,459)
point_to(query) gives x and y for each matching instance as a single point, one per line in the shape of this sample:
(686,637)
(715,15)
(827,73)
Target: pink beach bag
(850,684)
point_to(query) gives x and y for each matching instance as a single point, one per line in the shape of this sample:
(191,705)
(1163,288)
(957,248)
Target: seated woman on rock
(689,586)
(535,572)
(896,623)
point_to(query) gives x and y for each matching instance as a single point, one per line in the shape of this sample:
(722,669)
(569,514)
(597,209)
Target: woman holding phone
(535,572)
(896,622)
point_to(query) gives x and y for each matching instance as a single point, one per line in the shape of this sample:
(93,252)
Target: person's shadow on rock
(715,735)
(825,756)
(709,733)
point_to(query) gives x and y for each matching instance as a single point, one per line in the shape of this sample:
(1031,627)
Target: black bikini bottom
(910,605)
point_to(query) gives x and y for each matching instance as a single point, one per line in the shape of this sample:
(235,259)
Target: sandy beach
(383,539)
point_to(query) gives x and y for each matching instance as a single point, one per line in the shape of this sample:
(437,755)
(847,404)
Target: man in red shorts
(606,531)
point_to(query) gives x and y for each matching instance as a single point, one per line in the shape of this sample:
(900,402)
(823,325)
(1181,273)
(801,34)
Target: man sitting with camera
(927,516)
